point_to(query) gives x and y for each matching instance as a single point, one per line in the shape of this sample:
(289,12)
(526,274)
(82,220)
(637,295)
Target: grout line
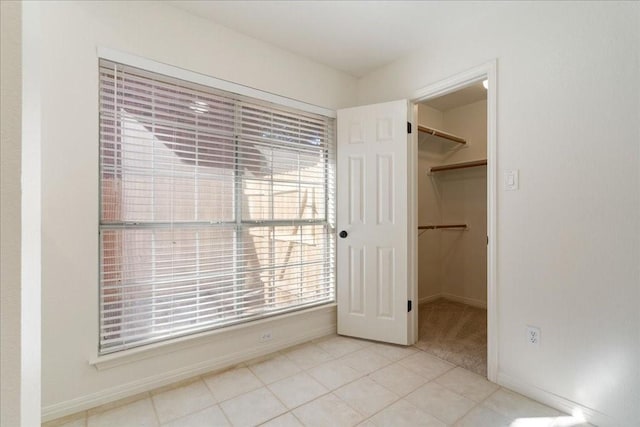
(399,396)
(379,410)
(332,391)
(213,396)
(367,375)
(490,394)
(297,419)
(109,406)
(226,417)
(189,414)
(186,383)
(61,421)
(365,344)
(224,414)
(155,410)
(284,405)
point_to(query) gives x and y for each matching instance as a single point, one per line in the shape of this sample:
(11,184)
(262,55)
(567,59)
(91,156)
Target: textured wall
(10,201)
(568,241)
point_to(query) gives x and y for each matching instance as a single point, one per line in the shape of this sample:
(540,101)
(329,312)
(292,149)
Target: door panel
(356,280)
(384,191)
(356,189)
(372,209)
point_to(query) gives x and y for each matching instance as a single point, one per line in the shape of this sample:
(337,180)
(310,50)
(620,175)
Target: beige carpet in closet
(456,333)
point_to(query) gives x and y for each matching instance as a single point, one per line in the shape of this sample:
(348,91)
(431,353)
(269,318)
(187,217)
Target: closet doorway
(455,212)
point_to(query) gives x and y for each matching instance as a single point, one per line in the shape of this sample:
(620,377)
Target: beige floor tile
(366,396)
(286,420)
(117,403)
(229,384)
(78,419)
(482,417)
(426,365)
(328,410)
(513,405)
(78,422)
(404,414)
(274,369)
(308,355)
(252,408)
(178,402)
(334,374)
(398,379)
(467,384)
(210,417)
(440,402)
(392,352)
(365,360)
(561,421)
(340,346)
(393,385)
(139,414)
(298,389)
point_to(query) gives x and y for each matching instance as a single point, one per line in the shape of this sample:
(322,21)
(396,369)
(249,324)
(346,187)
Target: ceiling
(475,92)
(356,37)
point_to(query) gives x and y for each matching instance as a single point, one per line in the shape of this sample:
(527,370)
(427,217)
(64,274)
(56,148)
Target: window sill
(162,348)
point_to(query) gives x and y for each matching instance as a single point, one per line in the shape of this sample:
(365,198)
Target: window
(215,208)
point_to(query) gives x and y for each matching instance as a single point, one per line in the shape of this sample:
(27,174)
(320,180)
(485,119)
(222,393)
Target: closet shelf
(440,226)
(441,134)
(462,165)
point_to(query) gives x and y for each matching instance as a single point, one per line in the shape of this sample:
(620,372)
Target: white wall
(20,221)
(10,200)
(453,263)
(463,198)
(430,151)
(470,122)
(429,116)
(70,185)
(568,240)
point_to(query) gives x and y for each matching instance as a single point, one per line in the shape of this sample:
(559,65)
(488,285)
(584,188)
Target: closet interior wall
(453,263)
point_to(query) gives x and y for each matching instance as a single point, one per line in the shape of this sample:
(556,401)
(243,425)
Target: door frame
(484,71)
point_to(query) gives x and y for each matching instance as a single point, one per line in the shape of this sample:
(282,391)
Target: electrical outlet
(266,336)
(533,335)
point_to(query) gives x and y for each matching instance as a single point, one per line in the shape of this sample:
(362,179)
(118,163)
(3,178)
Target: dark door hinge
(408,306)
(408,127)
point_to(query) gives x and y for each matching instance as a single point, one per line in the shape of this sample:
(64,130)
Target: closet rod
(441,134)
(472,164)
(436,227)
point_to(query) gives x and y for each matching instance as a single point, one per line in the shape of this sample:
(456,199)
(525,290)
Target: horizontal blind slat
(117,344)
(237,303)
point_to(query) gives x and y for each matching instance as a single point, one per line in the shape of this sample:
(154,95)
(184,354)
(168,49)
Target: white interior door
(372,218)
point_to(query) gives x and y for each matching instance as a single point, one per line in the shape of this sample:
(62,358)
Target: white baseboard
(464,300)
(212,364)
(557,402)
(430,298)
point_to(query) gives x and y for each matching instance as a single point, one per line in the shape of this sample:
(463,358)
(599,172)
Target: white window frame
(107,359)
(192,76)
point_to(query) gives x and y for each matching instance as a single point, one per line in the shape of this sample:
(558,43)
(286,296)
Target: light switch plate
(511,179)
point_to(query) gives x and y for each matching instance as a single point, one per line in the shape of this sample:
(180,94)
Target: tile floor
(335,381)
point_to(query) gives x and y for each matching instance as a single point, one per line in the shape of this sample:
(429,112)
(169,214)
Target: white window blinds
(215,208)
